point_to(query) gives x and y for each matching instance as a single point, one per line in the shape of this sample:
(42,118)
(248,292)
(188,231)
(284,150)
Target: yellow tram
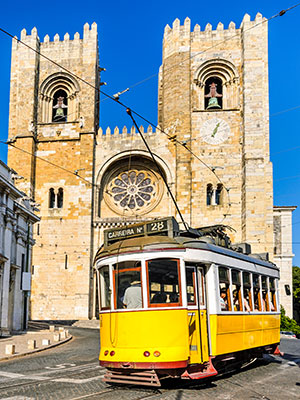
(175,304)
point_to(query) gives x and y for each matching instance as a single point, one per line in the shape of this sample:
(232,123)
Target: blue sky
(130,45)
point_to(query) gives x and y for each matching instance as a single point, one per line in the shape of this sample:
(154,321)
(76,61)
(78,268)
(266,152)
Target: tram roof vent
(261,256)
(244,248)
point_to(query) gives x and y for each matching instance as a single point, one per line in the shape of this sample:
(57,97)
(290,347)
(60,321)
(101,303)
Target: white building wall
(16,220)
(283,255)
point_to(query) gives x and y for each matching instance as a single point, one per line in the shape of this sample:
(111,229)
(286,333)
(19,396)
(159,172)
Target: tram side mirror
(287,290)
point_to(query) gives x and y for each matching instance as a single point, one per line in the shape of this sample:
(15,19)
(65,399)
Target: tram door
(197,315)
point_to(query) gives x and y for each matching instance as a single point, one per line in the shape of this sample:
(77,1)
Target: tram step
(146,378)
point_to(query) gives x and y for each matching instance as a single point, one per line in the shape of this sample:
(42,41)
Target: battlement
(124,132)
(88,33)
(184,31)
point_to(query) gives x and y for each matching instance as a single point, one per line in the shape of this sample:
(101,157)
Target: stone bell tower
(53,120)
(213,86)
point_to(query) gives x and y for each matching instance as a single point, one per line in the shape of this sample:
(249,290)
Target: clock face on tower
(215,131)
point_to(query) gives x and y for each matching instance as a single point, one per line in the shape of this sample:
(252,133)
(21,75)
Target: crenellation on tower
(245,19)
(167,30)
(231,26)
(123,133)
(187,27)
(23,34)
(184,31)
(176,26)
(220,26)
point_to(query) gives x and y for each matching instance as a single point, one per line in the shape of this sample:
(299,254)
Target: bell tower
(213,85)
(53,121)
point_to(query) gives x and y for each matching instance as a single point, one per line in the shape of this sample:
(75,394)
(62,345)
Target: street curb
(36,350)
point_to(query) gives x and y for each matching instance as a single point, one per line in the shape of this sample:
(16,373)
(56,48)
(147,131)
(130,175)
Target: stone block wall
(57,155)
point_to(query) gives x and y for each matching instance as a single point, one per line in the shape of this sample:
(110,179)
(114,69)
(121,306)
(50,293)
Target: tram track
(41,378)
(104,392)
(98,394)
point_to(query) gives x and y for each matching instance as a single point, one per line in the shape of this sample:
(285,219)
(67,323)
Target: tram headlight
(106,352)
(156,353)
(146,353)
(112,353)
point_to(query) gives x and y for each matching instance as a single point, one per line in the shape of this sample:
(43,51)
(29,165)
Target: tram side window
(247,302)
(104,288)
(164,284)
(256,293)
(127,285)
(224,289)
(273,303)
(236,290)
(265,297)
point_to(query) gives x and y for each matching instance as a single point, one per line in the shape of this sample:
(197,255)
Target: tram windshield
(127,285)
(164,282)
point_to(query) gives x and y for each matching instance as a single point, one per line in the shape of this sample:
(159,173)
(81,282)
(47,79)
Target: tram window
(247,303)
(190,286)
(163,280)
(273,304)
(127,285)
(265,297)
(236,290)
(256,293)
(224,289)
(104,288)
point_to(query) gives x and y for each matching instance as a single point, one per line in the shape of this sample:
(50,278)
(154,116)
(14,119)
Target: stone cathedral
(213,100)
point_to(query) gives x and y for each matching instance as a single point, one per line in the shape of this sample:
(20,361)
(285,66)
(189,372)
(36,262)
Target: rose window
(132,191)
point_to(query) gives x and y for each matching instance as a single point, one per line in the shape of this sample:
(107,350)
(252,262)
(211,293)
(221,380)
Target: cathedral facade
(211,146)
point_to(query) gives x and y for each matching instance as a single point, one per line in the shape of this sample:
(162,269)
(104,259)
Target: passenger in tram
(173,298)
(223,300)
(246,303)
(272,308)
(236,302)
(264,301)
(256,300)
(133,294)
(159,297)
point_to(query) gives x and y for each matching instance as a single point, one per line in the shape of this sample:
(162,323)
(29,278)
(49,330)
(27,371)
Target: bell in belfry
(59,107)
(213,97)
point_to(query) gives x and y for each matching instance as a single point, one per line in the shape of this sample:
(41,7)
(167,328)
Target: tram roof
(157,242)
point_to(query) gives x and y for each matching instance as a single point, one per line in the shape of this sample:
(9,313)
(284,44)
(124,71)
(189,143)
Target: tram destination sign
(167,226)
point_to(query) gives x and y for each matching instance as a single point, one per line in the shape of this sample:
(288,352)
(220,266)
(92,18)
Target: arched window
(59,99)
(213,93)
(60,106)
(51,198)
(209,194)
(217,85)
(60,198)
(219,191)
(214,196)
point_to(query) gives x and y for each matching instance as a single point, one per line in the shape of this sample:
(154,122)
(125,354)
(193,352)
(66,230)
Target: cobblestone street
(72,372)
